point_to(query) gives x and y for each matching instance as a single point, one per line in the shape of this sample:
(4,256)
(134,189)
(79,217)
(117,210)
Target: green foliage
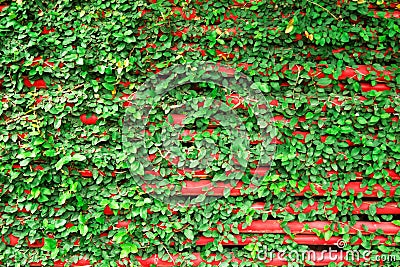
(57,173)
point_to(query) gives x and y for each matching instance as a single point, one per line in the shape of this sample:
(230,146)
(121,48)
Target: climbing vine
(68,69)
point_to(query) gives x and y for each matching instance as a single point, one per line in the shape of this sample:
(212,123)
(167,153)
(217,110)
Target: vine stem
(330,13)
(298,76)
(169,254)
(19,117)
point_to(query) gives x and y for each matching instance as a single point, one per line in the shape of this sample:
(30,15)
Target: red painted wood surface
(388,208)
(274,227)
(193,188)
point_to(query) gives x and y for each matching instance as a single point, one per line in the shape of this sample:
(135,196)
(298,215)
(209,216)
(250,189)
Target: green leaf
(108,86)
(64,196)
(189,234)
(83,229)
(372,210)
(59,223)
(361,120)
(324,81)
(79,61)
(227,192)
(120,236)
(50,244)
(128,248)
(38,141)
(25,162)
(50,153)
(355,151)
(78,157)
(396,222)
(374,119)
(62,161)
(369,170)
(327,235)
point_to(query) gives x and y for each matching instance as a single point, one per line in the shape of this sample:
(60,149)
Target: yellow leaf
(289,28)
(218,30)
(126,62)
(309,36)
(398,6)
(361,1)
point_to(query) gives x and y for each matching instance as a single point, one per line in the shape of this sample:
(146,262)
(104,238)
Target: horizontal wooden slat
(299,239)
(321,259)
(193,188)
(318,259)
(388,208)
(274,227)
